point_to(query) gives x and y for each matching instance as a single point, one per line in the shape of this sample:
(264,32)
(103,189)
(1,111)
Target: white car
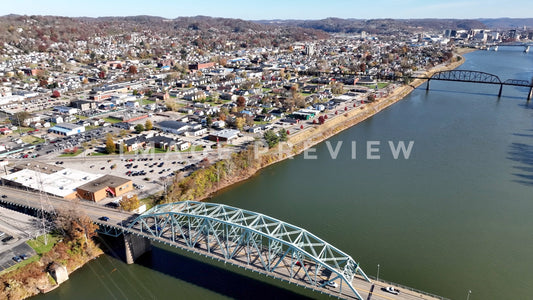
(332,284)
(391,290)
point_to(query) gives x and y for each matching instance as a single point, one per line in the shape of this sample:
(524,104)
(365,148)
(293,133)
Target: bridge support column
(500,92)
(427,85)
(530,93)
(135,246)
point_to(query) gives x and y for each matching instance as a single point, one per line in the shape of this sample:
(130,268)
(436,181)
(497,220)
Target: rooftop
(60,183)
(103,182)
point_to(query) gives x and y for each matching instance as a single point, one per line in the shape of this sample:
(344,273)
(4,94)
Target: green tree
(148,125)
(282,133)
(139,127)
(110,144)
(19,118)
(271,138)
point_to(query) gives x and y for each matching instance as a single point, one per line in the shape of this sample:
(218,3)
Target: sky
(274,9)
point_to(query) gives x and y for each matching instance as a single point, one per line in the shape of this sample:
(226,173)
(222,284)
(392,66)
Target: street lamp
(468,295)
(377,276)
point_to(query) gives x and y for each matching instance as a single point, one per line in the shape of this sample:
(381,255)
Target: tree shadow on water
(523,154)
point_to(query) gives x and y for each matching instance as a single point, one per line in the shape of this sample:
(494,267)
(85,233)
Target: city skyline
(276,9)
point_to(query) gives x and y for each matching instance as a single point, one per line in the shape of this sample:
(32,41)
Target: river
(455,216)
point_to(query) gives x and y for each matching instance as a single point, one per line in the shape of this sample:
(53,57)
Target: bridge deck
(286,271)
(296,275)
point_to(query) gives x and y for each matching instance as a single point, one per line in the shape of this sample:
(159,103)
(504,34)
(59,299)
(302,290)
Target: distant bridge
(477,77)
(496,46)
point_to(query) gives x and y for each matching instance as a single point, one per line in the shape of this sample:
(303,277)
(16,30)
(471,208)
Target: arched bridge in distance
(478,77)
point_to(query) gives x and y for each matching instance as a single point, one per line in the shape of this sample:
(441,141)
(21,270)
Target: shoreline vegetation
(206,182)
(69,248)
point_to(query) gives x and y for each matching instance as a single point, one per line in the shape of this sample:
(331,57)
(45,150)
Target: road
(93,210)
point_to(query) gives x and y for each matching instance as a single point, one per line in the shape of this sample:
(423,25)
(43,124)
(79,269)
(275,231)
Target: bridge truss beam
(253,239)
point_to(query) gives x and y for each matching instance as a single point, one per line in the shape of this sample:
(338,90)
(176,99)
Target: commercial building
(107,185)
(53,180)
(67,129)
(225,135)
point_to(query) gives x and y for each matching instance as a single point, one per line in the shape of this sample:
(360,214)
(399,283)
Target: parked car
(104,218)
(17,259)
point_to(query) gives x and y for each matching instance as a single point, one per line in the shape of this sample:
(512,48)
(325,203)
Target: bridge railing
(385,282)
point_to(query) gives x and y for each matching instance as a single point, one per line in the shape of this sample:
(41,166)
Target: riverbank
(54,261)
(212,183)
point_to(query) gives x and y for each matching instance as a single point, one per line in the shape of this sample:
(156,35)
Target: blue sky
(274,9)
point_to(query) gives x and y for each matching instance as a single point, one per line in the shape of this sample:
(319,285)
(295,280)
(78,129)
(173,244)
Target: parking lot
(15,229)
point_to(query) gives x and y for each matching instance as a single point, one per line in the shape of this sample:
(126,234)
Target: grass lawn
(194,149)
(145,101)
(112,120)
(380,85)
(39,246)
(98,154)
(261,122)
(32,139)
(91,127)
(82,117)
(72,154)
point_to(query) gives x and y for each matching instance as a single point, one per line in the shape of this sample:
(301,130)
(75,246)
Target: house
(132,144)
(123,125)
(219,124)
(56,119)
(66,110)
(163,142)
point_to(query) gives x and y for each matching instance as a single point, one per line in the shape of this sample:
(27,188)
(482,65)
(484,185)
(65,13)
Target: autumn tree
(132,70)
(241,101)
(76,227)
(148,125)
(239,123)
(129,203)
(371,98)
(110,147)
(337,88)
(56,94)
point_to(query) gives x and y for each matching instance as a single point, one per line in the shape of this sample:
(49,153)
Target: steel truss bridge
(250,238)
(478,77)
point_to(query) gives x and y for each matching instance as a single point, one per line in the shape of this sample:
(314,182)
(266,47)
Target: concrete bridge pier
(427,84)
(530,94)
(500,92)
(135,246)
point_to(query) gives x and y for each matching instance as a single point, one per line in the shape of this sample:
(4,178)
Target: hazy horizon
(277,9)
